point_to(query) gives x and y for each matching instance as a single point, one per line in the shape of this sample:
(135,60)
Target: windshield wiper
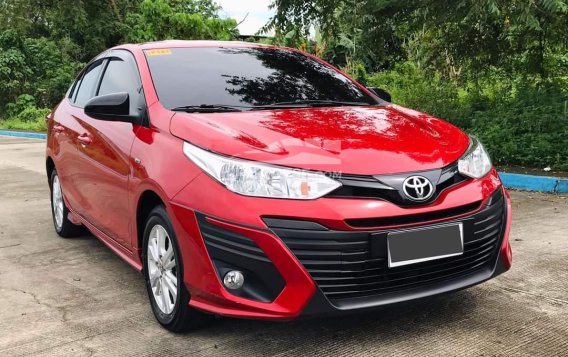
(222,108)
(210,108)
(311,103)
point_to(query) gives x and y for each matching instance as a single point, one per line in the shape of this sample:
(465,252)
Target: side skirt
(122,252)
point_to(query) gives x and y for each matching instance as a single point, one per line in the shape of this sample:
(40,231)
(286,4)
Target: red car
(260,182)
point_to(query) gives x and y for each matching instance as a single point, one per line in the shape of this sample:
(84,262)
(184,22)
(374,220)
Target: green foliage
(180,19)
(22,103)
(357,71)
(38,125)
(23,114)
(413,88)
(36,66)
(457,38)
(92,25)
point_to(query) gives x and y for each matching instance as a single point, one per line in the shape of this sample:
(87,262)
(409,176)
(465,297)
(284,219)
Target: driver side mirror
(381,93)
(112,107)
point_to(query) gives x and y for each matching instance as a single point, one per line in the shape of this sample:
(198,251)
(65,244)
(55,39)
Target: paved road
(74,297)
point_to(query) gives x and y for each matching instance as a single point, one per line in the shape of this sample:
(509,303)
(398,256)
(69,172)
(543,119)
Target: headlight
(475,162)
(262,180)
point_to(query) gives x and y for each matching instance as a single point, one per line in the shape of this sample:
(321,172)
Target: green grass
(15,124)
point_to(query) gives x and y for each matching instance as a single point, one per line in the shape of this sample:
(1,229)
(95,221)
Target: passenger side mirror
(112,107)
(381,93)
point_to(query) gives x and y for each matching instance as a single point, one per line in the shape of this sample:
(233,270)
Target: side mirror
(381,93)
(111,107)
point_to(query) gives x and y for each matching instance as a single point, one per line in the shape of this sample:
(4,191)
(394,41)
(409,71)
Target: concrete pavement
(75,297)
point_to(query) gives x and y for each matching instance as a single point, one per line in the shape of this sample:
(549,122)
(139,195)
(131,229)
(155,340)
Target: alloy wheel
(58,205)
(162,270)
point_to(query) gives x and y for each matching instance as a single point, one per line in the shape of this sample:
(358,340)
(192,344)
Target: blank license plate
(423,244)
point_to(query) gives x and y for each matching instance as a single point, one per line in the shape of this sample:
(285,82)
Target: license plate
(423,244)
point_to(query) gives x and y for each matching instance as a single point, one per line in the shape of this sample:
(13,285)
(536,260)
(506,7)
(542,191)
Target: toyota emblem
(417,188)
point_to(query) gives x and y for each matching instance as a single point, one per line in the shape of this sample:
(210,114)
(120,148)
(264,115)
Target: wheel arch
(49,167)
(147,201)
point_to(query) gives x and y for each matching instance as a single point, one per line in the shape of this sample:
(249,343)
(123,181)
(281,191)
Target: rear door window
(87,85)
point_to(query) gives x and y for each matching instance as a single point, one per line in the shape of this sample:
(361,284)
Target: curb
(534,183)
(23,134)
(516,181)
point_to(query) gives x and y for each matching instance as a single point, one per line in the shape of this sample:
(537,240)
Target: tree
(454,37)
(178,19)
(91,25)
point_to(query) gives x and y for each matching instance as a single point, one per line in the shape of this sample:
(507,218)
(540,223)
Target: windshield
(246,77)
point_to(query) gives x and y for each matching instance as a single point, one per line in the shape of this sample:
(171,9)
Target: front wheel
(163,272)
(63,226)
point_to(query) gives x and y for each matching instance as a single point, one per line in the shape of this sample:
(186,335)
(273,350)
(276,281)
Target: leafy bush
(181,19)
(414,89)
(38,125)
(23,114)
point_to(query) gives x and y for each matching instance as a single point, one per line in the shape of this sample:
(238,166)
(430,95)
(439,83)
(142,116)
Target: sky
(257,9)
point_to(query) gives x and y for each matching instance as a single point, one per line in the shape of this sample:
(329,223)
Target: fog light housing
(234,279)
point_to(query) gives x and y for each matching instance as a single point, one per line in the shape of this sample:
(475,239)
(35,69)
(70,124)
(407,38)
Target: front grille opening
(351,265)
(413,218)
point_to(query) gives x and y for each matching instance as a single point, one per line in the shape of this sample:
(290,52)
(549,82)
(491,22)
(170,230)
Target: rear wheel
(63,226)
(163,272)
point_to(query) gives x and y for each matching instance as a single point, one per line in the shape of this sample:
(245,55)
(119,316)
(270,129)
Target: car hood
(353,140)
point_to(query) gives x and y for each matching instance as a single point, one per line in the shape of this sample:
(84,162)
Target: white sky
(257,9)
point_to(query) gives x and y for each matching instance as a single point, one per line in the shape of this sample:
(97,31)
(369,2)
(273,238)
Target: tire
(164,277)
(59,211)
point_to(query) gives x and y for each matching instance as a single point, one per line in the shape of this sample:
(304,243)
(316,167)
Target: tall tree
(92,25)
(178,19)
(445,35)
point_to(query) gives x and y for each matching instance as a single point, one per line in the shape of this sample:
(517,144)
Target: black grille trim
(231,243)
(349,265)
(413,218)
(362,186)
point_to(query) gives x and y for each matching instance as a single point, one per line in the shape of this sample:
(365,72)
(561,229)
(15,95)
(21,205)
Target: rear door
(66,130)
(106,147)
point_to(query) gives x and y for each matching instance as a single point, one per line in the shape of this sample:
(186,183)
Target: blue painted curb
(23,134)
(517,181)
(534,183)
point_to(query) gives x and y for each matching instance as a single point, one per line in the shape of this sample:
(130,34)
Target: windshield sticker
(159,52)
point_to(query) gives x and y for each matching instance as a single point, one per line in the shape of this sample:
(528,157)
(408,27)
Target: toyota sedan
(260,182)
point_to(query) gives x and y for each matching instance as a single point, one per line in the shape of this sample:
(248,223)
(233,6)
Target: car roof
(189,44)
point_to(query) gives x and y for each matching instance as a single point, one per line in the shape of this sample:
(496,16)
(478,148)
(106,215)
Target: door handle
(84,139)
(58,128)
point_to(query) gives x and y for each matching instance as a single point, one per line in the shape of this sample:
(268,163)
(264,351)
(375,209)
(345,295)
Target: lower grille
(348,265)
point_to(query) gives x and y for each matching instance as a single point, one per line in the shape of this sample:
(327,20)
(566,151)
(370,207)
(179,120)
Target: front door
(106,147)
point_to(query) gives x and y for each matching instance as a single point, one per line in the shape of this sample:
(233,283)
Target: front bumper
(299,268)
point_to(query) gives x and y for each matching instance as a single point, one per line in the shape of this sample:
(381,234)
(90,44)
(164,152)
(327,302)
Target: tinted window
(120,76)
(73,89)
(87,86)
(245,76)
